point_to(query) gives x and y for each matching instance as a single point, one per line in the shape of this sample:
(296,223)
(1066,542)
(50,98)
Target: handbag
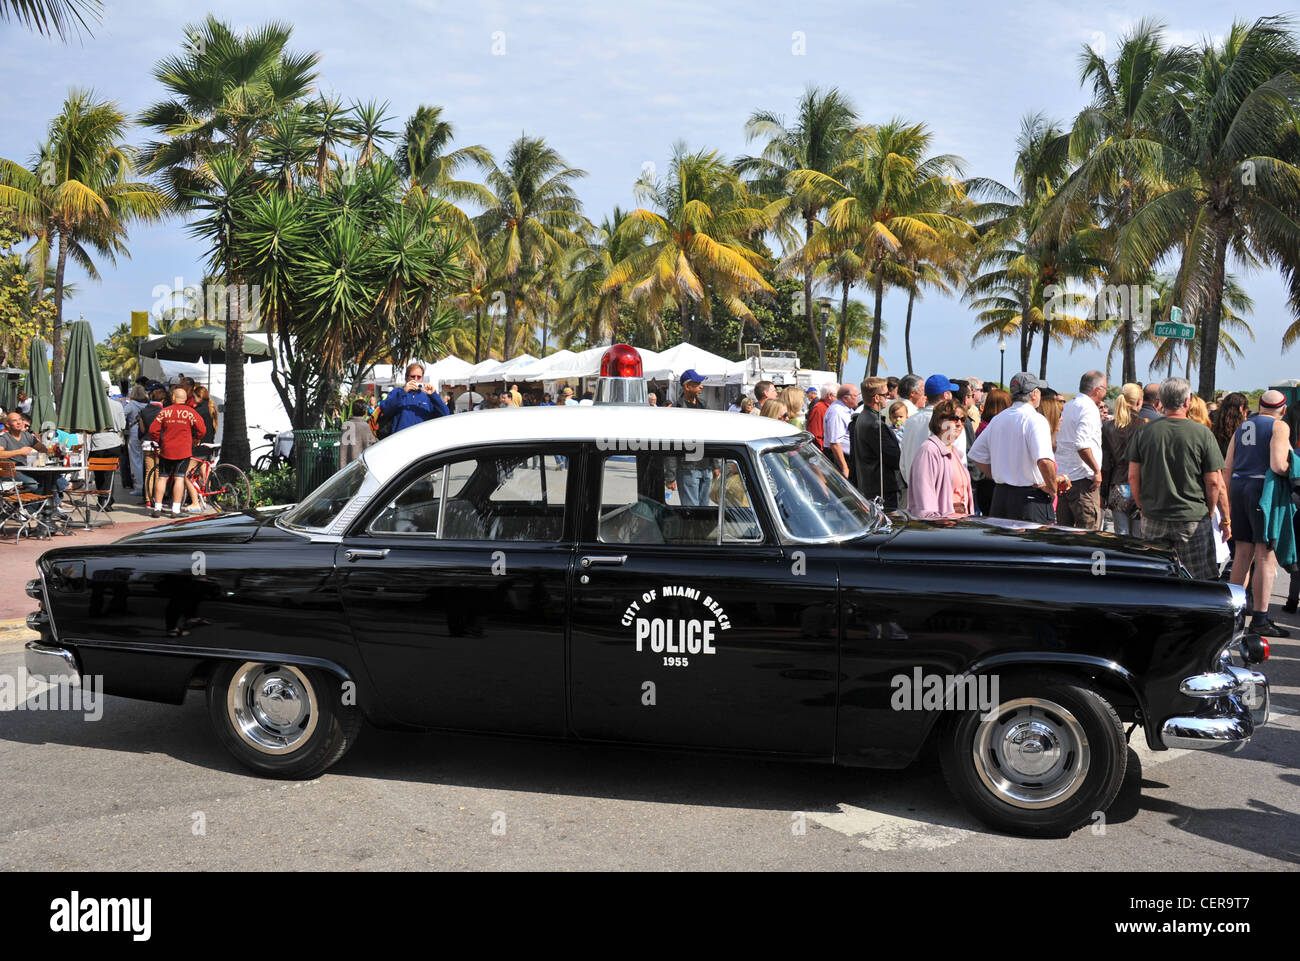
(1121,499)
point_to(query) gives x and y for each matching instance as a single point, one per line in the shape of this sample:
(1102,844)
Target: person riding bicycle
(175,430)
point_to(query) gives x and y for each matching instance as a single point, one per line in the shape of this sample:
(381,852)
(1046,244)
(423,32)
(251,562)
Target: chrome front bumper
(48,663)
(1237,702)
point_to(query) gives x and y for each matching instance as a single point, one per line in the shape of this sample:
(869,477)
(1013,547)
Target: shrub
(277,486)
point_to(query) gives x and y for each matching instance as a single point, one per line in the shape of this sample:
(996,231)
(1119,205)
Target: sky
(612,86)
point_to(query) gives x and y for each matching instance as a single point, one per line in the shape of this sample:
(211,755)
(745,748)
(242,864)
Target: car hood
(233,528)
(1004,542)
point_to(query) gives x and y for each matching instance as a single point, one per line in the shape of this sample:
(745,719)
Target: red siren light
(621,360)
(622,380)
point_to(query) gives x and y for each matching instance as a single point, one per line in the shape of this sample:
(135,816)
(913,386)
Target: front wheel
(1048,759)
(281,720)
(228,488)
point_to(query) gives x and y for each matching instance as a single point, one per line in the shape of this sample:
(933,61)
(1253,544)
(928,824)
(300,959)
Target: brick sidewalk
(18,561)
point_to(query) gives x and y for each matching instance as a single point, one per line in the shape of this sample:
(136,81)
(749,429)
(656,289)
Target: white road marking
(889,832)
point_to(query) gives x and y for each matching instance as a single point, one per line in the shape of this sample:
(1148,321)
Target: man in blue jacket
(413,404)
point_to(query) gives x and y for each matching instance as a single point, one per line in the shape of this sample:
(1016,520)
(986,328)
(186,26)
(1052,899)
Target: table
(43,515)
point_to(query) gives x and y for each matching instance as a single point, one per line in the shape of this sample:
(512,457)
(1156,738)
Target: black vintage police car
(677,578)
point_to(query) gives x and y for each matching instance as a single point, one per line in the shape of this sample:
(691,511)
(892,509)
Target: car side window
(658,498)
(515,496)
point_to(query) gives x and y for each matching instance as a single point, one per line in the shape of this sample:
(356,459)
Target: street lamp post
(1002,369)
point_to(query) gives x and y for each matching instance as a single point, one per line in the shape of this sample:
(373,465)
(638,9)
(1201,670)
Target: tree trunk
(840,351)
(873,356)
(56,335)
(1026,335)
(814,323)
(686,322)
(509,331)
(478,333)
(234,439)
(907,330)
(1042,357)
(1210,322)
(1130,344)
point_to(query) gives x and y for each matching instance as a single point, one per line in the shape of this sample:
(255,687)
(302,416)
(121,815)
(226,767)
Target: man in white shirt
(1078,455)
(1015,449)
(937,388)
(911,391)
(836,430)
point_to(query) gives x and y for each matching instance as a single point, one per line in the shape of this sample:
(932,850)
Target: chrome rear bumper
(47,663)
(1238,702)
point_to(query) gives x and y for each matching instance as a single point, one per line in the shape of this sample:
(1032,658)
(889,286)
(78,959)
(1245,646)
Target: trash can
(315,458)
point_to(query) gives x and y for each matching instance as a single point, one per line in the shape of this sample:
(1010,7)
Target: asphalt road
(148,787)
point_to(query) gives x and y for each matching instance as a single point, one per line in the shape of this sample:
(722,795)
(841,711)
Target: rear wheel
(281,720)
(228,488)
(1047,760)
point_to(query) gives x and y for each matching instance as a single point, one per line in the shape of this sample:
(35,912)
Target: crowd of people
(1210,482)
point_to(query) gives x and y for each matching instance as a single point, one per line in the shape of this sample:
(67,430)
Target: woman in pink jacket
(939,485)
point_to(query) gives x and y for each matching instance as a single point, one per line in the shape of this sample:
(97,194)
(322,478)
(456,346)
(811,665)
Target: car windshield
(319,509)
(813,500)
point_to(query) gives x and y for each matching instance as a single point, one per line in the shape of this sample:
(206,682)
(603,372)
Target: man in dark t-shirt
(1174,472)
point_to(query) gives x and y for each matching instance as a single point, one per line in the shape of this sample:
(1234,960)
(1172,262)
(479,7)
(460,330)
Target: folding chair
(88,495)
(15,503)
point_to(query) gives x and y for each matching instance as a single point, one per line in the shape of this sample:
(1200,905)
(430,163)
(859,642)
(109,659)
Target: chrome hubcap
(1032,753)
(272,707)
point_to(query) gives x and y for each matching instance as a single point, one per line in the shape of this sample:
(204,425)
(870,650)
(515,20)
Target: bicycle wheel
(150,482)
(228,488)
(263,464)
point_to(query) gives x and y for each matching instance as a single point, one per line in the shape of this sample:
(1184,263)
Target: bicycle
(224,486)
(272,459)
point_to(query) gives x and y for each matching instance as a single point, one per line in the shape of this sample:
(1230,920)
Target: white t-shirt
(1080,429)
(1012,445)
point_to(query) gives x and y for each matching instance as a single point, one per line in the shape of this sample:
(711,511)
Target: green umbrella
(9,388)
(38,386)
(197,345)
(85,402)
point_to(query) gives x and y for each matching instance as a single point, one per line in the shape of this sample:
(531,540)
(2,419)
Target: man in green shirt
(1174,471)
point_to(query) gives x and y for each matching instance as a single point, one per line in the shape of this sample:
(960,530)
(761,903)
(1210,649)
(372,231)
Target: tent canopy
(206,344)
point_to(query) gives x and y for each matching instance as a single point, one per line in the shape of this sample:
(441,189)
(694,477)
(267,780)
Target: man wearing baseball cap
(937,388)
(1016,451)
(692,481)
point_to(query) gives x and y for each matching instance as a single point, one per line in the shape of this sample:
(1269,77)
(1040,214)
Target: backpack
(381,423)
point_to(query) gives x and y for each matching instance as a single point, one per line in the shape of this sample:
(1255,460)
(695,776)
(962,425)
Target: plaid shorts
(1192,541)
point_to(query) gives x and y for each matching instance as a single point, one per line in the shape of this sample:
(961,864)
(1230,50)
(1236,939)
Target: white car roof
(595,423)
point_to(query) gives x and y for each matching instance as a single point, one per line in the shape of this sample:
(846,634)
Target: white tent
(539,369)
(686,357)
(503,370)
(449,370)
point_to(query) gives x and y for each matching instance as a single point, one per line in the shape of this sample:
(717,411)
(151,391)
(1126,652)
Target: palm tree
(78,198)
(227,92)
(1237,304)
(532,216)
(1118,172)
(1009,282)
(699,241)
(590,310)
(52,16)
(368,128)
(887,194)
(1230,150)
(817,140)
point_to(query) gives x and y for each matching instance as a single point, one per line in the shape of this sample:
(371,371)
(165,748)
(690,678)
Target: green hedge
(278,486)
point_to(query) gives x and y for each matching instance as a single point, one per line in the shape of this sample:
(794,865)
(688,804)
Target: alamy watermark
(55,692)
(691,450)
(213,302)
(921,691)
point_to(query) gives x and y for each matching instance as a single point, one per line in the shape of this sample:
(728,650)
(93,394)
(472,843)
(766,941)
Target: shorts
(173,468)
(1243,506)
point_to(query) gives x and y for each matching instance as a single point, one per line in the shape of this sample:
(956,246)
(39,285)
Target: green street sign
(1178,331)
(1176,315)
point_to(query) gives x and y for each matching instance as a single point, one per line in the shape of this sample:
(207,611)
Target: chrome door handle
(609,561)
(359,554)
